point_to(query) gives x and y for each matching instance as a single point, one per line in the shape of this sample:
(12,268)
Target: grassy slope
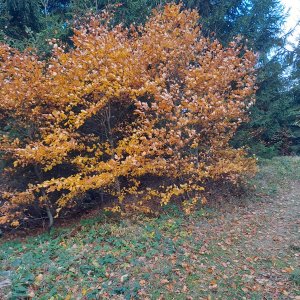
(245,252)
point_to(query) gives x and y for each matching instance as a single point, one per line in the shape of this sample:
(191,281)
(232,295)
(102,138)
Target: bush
(124,108)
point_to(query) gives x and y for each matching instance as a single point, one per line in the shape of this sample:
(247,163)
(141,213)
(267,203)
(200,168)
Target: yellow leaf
(15,223)
(84,291)
(203,201)
(38,279)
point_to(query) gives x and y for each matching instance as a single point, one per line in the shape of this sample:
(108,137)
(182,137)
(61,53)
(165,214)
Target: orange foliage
(124,105)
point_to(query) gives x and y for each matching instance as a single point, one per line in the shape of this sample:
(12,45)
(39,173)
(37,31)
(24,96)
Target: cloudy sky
(294,16)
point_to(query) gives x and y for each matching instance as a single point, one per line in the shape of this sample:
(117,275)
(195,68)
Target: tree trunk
(48,210)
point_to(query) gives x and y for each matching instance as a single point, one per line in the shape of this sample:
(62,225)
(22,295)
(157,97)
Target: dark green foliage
(269,131)
(257,21)
(23,16)
(29,23)
(274,126)
(295,111)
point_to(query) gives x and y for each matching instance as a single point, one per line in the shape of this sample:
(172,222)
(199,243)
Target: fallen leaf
(164,281)
(288,270)
(142,282)
(39,278)
(184,289)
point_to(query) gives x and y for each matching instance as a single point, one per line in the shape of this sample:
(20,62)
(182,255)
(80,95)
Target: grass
(295,276)
(207,255)
(277,173)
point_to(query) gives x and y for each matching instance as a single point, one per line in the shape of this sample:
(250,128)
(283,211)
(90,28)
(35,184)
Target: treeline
(274,122)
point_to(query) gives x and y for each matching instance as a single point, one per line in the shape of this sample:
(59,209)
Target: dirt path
(280,228)
(277,240)
(264,238)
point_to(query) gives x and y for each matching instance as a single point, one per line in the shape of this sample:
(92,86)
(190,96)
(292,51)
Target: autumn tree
(158,101)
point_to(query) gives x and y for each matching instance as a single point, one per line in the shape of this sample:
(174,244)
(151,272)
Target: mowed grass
(206,255)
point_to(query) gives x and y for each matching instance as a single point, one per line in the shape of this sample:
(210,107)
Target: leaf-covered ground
(248,250)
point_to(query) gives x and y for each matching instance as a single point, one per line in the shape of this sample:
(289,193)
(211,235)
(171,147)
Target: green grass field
(246,251)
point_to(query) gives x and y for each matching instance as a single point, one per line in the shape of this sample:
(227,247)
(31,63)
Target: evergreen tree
(19,17)
(259,23)
(29,23)
(295,111)
(268,132)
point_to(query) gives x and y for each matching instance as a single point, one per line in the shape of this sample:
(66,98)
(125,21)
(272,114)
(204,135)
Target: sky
(294,16)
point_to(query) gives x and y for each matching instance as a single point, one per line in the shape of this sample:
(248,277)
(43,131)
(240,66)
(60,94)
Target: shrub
(122,108)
